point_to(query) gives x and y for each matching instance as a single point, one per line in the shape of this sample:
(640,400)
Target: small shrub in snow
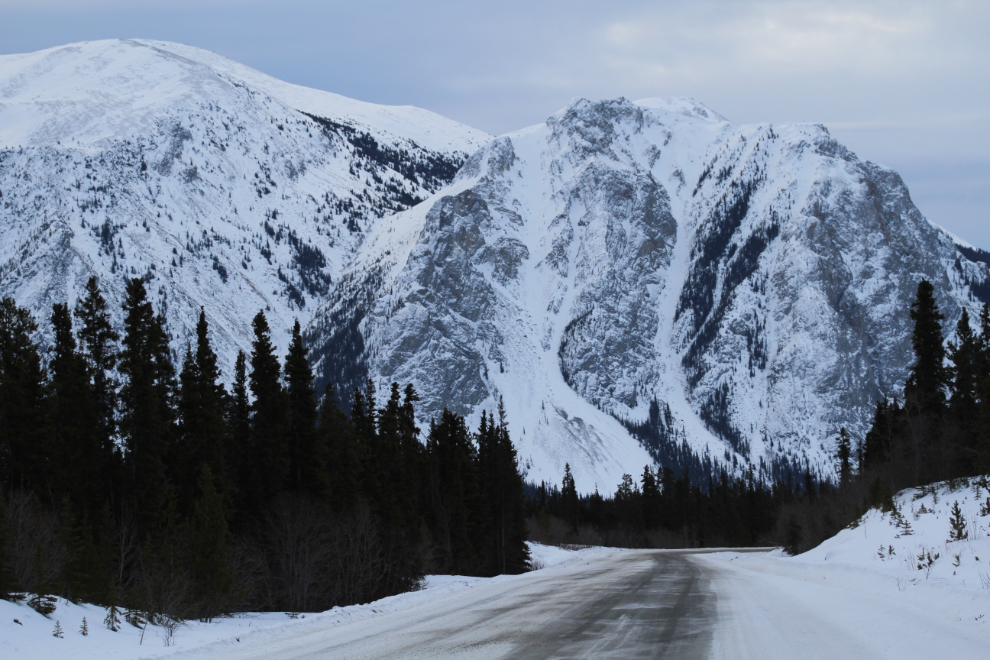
(135,618)
(957,522)
(169,626)
(58,630)
(84,628)
(112,620)
(43,605)
(925,561)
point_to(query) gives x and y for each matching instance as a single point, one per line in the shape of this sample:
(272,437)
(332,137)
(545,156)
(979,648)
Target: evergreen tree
(880,441)
(651,499)
(85,573)
(98,341)
(268,457)
(7,584)
(964,356)
(211,554)
(364,420)
(569,503)
(924,392)
(843,453)
(25,440)
(412,461)
(965,387)
(928,379)
(306,446)
(112,619)
(343,462)
(73,412)
(239,436)
(983,378)
(387,459)
(454,494)
(147,403)
(502,485)
(202,423)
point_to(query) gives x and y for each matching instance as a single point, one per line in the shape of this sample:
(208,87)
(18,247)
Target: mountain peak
(682,105)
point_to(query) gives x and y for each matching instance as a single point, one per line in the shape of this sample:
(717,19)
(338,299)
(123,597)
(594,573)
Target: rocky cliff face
(222,187)
(647,281)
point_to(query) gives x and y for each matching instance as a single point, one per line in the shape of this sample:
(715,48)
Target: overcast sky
(903,83)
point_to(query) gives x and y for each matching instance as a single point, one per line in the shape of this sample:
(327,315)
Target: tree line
(128,482)
(939,430)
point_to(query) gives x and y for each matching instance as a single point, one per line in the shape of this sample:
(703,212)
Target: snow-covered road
(638,604)
(594,603)
(609,605)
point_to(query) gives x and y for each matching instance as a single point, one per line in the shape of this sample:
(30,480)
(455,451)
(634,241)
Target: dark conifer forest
(157,492)
(132,484)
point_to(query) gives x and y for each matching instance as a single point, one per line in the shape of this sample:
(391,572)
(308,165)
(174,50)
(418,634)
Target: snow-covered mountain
(647,280)
(639,281)
(222,186)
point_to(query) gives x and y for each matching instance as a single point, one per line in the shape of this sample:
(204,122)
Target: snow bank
(915,542)
(911,554)
(26,634)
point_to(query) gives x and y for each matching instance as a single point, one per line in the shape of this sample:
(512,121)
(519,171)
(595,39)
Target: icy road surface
(639,604)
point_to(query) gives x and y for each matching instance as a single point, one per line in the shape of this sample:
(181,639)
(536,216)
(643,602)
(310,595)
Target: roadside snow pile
(24,633)
(926,555)
(545,556)
(936,533)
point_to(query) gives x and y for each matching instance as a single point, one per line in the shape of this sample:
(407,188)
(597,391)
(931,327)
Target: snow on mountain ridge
(126,159)
(130,72)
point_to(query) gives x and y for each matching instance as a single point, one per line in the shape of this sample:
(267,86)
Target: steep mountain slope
(219,185)
(644,280)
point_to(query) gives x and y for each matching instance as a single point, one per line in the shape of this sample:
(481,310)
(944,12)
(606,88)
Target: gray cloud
(903,83)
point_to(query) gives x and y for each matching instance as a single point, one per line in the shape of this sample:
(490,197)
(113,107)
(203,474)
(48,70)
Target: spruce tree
(343,461)
(928,379)
(965,385)
(455,500)
(964,356)
(306,446)
(98,345)
(75,423)
(503,489)
(569,503)
(364,420)
(924,392)
(239,435)
(651,499)
(211,566)
(6,555)
(843,454)
(983,378)
(25,439)
(202,425)
(267,458)
(147,403)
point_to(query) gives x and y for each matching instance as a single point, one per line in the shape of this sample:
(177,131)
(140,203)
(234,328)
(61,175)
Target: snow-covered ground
(894,585)
(26,634)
